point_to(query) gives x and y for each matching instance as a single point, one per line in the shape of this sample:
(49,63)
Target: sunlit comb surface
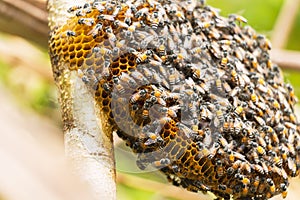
(193,93)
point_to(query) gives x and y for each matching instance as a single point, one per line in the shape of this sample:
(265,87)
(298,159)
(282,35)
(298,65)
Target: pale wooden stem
(88,141)
(284,23)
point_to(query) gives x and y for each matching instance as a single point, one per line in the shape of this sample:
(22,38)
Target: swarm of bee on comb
(193,93)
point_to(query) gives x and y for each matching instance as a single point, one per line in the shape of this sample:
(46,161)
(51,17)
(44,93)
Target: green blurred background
(38,93)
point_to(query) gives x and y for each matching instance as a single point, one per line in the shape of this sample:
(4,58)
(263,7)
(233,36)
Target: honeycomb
(193,93)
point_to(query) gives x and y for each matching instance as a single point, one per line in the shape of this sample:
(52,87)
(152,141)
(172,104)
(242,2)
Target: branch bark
(88,141)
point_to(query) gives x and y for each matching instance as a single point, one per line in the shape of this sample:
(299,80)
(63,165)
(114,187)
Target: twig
(284,23)
(22,18)
(286,59)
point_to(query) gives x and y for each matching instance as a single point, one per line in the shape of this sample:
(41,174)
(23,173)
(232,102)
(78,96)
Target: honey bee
(106,17)
(277,160)
(145,114)
(172,111)
(283,188)
(271,185)
(74,8)
(118,23)
(219,118)
(186,130)
(97,5)
(141,57)
(70,33)
(106,87)
(137,96)
(219,168)
(86,21)
(238,111)
(141,12)
(258,168)
(236,165)
(213,150)
(214,34)
(238,18)
(117,10)
(260,120)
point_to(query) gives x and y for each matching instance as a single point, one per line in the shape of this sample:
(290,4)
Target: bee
(106,69)
(86,21)
(184,129)
(220,118)
(234,75)
(172,111)
(258,168)
(161,50)
(238,111)
(70,33)
(260,120)
(154,21)
(137,96)
(264,42)
(95,31)
(271,185)
(277,160)
(255,183)
(214,11)
(120,88)
(283,188)
(142,12)
(222,141)
(106,87)
(118,23)
(103,51)
(147,72)
(240,53)
(214,34)
(236,165)
(283,152)
(213,150)
(97,5)
(196,50)
(141,57)
(73,8)
(205,114)
(215,49)
(128,16)
(226,87)
(238,18)
(224,61)
(205,25)
(238,125)
(219,168)
(117,10)
(172,78)
(255,157)
(262,142)
(145,114)
(106,17)
(254,98)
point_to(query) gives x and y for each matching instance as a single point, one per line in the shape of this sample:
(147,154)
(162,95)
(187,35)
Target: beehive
(193,93)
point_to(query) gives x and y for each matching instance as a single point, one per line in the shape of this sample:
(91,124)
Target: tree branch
(286,59)
(24,19)
(88,141)
(284,23)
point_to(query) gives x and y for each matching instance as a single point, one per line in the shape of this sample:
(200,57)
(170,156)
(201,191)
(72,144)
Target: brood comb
(194,94)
